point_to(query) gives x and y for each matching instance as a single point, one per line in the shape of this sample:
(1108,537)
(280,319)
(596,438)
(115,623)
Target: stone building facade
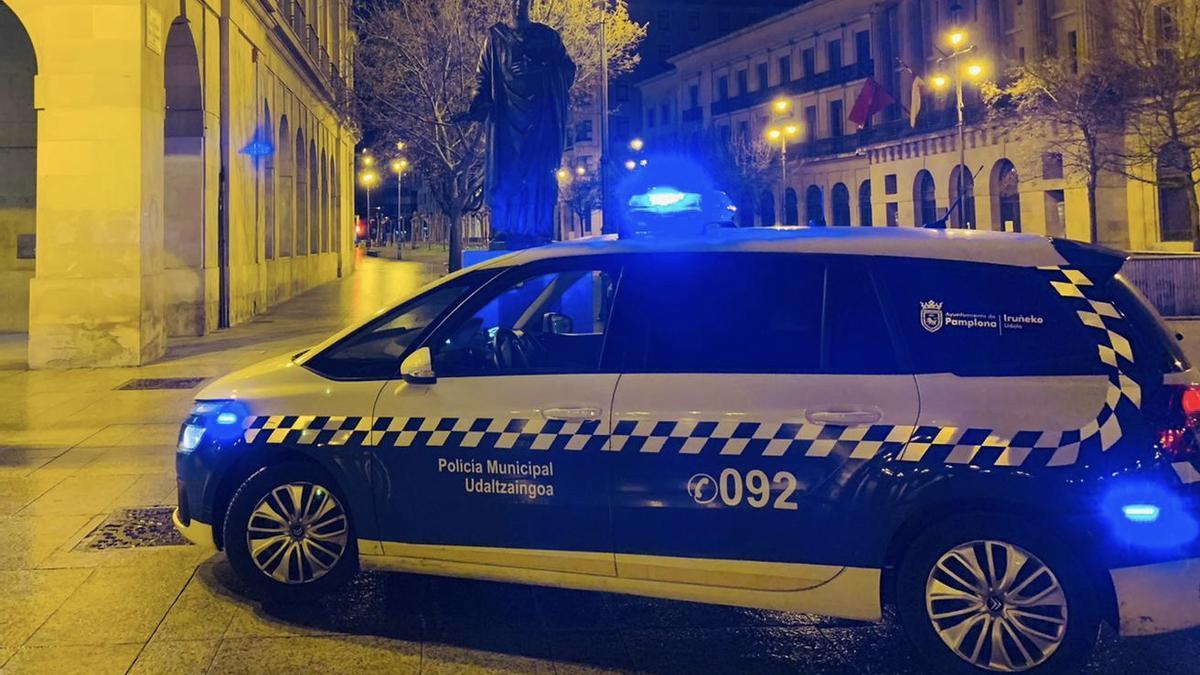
(167,168)
(817,58)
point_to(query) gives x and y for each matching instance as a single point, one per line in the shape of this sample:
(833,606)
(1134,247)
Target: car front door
(754,387)
(498,458)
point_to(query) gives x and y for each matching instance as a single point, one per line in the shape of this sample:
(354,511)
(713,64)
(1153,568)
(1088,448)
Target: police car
(993,433)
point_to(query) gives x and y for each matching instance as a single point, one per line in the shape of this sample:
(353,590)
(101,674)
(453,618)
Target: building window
(1174,220)
(810,123)
(1052,165)
(809,61)
(743,132)
(865,218)
(583,131)
(893,214)
(862,46)
(762,76)
(743,81)
(650,117)
(722,87)
(665,113)
(1073,50)
(889,184)
(836,119)
(694,96)
(785,69)
(834,48)
(925,198)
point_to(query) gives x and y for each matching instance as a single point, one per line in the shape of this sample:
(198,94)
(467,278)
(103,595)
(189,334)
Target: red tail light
(1179,434)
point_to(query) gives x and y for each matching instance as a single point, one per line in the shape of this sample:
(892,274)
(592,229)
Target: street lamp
(781,135)
(781,106)
(368,179)
(398,167)
(581,171)
(637,144)
(630,164)
(959,42)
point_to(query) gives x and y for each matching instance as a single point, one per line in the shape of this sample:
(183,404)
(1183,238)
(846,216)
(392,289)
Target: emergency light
(665,201)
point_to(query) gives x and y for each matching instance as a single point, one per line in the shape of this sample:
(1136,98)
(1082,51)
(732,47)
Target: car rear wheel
(288,533)
(988,594)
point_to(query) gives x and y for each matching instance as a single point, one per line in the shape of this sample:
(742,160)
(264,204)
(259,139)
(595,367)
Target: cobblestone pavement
(75,452)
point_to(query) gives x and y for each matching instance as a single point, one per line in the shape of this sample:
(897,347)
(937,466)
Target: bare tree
(1152,48)
(745,166)
(581,194)
(416,66)
(1074,101)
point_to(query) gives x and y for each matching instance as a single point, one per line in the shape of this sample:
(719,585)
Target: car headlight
(220,420)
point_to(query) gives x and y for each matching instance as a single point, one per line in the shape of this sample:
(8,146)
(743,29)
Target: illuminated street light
(958,40)
(400,145)
(781,105)
(399,165)
(630,164)
(581,170)
(781,135)
(367,159)
(368,180)
(562,174)
(637,144)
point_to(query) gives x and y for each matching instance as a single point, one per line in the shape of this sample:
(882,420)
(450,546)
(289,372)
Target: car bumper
(1158,598)
(200,534)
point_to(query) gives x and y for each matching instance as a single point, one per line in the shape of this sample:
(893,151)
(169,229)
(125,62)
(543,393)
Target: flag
(918,94)
(871,99)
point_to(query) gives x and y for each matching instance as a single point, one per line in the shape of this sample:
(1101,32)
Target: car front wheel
(288,532)
(988,594)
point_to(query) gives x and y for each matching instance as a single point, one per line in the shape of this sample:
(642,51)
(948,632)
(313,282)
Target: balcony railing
(829,78)
(929,121)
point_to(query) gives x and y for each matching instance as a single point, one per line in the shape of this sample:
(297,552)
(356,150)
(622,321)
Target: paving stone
(72,659)
(331,655)
(29,597)
(177,657)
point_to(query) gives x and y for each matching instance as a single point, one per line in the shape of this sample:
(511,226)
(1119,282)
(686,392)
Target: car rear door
(754,385)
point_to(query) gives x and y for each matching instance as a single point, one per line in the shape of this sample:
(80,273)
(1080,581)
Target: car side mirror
(554,323)
(417,368)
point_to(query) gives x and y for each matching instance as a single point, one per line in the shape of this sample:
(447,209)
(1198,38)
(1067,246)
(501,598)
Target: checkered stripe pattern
(490,433)
(694,437)
(308,430)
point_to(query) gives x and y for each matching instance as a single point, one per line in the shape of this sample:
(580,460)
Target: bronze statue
(524,78)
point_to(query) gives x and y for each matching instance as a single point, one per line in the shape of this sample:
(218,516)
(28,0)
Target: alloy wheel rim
(996,606)
(297,533)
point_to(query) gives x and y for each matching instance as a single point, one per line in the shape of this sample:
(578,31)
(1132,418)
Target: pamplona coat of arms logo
(932,318)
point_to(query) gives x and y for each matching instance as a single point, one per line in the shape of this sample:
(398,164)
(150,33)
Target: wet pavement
(75,453)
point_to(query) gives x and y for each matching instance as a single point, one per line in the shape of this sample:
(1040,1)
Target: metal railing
(829,78)
(1170,281)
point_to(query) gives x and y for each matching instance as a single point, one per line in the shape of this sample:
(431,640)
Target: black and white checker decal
(922,444)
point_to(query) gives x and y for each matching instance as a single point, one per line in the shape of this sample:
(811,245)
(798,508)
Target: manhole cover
(146,383)
(134,528)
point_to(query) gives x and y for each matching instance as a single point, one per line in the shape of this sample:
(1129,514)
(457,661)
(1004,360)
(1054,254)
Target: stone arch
(287,189)
(18,166)
(791,207)
(839,198)
(301,246)
(183,184)
(268,170)
(865,215)
(324,203)
(1005,185)
(814,206)
(766,209)
(314,200)
(964,215)
(924,198)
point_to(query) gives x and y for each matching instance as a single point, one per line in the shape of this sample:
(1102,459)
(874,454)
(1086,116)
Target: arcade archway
(18,171)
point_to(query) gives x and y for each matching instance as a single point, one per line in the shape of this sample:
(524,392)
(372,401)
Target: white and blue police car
(993,433)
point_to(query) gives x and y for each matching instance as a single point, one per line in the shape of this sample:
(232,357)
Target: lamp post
(958,41)
(399,166)
(368,178)
(781,135)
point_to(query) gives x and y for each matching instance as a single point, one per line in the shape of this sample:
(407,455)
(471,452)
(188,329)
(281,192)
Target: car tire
(288,533)
(935,580)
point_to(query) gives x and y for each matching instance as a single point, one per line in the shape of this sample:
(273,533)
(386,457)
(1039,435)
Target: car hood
(276,376)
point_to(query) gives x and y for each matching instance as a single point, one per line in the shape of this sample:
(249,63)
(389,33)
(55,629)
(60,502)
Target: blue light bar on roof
(665,200)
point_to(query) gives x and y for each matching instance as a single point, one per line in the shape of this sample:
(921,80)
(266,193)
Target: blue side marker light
(1140,513)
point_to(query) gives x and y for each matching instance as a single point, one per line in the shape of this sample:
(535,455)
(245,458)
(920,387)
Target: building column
(97,296)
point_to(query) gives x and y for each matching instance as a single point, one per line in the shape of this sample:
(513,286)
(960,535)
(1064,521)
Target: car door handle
(848,418)
(571,414)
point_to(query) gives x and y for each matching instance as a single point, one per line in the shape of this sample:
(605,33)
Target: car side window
(726,313)
(856,340)
(979,319)
(530,323)
(375,350)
